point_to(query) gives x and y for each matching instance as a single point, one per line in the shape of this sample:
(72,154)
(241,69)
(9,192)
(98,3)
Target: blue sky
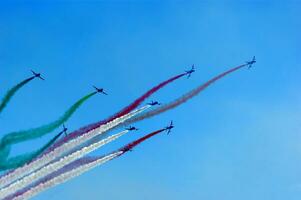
(240,139)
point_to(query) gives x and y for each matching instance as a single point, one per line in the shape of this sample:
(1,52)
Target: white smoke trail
(52,167)
(39,187)
(60,150)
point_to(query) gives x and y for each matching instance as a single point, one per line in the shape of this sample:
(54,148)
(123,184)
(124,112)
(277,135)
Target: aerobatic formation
(65,155)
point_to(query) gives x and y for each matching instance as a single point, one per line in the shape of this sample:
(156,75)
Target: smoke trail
(60,178)
(73,170)
(10,93)
(124,111)
(182,99)
(66,147)
(52,167)
(18,161)
(12,138)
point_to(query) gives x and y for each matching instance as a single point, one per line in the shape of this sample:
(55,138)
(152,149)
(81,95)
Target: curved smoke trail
(10,93)
(174,103)
(73,170)
(46,158)
(182,99)
(124,111)
(18,161)
(12,138)
(54,166)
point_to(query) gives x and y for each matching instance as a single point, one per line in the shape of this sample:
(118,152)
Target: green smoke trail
(12,92)
(18,161)
(16,137)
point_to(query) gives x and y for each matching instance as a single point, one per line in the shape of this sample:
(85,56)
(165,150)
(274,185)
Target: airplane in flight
(153,103)
(37,75)
(132,128)
(127,148)
(64,130)
(250,63)
(100,90)
(168,128)
(189,72)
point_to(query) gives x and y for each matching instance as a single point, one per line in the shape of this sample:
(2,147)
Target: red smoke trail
(82,161)
(182,99)
(124,111)
(131,145)
(90,159)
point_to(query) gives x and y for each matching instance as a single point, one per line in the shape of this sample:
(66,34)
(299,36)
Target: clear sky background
(240,139)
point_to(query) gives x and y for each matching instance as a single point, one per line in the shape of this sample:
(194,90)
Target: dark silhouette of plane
(132,128)
(64,130)
(250,63)
(37,75)
(189,72)
(100,90)
(127,148)
(153,103)
(168,128)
